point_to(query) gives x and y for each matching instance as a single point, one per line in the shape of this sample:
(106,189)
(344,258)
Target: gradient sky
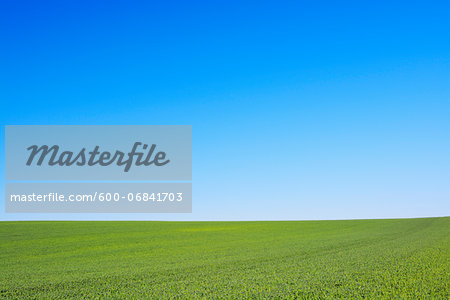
(300,110)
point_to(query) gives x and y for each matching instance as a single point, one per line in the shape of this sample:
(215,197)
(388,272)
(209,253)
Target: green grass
(312,259)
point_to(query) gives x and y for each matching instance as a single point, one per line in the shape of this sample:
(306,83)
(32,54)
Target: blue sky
(300,110)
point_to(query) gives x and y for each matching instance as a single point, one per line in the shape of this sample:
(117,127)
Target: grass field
(310,259)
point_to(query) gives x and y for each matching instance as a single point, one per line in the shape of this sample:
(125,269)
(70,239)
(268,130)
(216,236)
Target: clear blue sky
(300,110)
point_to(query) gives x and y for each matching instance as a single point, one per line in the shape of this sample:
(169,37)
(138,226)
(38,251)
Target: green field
(294,259)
